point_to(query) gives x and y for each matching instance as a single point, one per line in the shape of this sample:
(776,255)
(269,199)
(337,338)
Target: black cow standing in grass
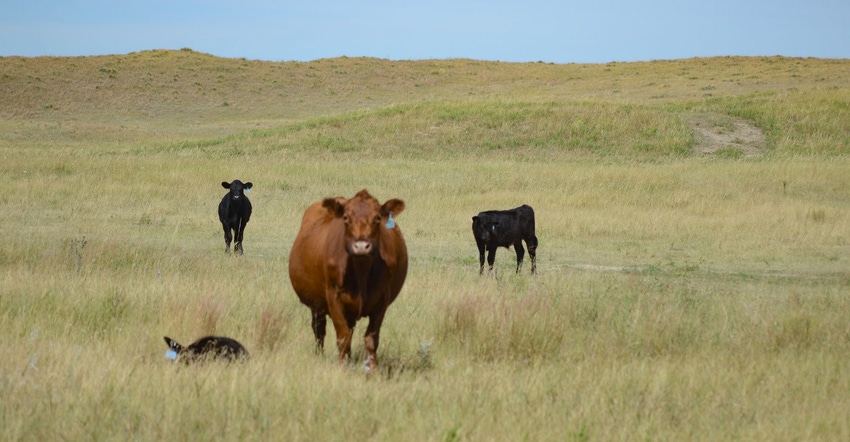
(505,228)
(234,211)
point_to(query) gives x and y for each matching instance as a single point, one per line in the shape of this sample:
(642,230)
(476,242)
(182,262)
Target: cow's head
(237,189)
(174,349)
(484,228)
(364,219)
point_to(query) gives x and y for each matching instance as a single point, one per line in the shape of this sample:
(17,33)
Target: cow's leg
(481,258)
(520,254)
(343,341)
(239,232)
(371,341)
(532,251)
(320,322)
(228,237)
(343,326)
(491,257)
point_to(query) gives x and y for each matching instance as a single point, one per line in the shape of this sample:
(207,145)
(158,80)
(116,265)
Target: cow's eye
(346,219)
(377,220)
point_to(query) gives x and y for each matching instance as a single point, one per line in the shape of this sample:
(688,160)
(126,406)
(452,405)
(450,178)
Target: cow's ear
(172,344)
(334,206)
(225,184)
(249,185)
(394,206)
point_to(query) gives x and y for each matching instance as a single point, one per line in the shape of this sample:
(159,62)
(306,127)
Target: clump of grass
(208,314)
(794,332)
(77,247)
(500,328)
(100,313)
(817,215)
(731,153)
(272,329)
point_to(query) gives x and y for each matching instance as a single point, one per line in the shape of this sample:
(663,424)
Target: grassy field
(681,295)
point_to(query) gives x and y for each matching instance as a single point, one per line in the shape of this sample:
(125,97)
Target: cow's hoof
(370,365)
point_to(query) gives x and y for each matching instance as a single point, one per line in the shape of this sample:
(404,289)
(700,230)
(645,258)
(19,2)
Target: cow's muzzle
(361,247)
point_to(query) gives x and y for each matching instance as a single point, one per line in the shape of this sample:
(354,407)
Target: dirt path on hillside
(717,133)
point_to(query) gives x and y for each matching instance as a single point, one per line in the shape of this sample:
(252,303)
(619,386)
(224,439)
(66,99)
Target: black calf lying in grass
(210,347)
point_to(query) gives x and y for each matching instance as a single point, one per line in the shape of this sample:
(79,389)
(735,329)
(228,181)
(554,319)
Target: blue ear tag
(493,227)
(171,354)
(390,221)
(247,191)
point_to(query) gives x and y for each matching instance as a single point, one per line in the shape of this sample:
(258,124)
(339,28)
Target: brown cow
(349,261)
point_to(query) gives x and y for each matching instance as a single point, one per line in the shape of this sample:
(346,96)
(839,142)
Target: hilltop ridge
(189,95)
(166,84)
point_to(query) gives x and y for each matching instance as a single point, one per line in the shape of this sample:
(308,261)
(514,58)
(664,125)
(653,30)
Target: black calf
(234,211)
(210,347)
(505,228)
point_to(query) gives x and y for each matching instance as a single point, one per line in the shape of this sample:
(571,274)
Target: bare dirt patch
(724,135)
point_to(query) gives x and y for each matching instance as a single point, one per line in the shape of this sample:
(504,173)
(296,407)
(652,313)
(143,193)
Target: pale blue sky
(587,31)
